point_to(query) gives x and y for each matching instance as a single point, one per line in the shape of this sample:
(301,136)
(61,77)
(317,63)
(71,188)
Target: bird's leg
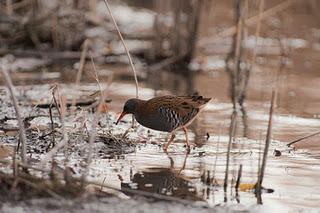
(186,134)
(165,147)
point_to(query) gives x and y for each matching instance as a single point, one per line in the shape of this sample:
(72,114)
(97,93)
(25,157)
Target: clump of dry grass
(25,185)
(61,181)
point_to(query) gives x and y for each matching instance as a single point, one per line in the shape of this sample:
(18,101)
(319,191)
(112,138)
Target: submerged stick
(125,47)
(266,148)
(22,131)
(304,137)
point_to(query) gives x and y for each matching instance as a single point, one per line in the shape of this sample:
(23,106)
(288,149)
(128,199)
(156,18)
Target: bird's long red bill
(120,117)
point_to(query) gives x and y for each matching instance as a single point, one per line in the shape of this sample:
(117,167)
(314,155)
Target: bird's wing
(195,100)
(178,110)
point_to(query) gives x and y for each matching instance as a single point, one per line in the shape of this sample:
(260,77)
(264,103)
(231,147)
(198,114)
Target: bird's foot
(188,149)
(165,147)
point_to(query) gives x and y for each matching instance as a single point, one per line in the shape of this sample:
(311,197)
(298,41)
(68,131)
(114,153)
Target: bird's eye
(125,108)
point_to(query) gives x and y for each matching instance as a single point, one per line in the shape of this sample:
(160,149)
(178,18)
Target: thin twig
(125,47)
(22,131)
(304,137)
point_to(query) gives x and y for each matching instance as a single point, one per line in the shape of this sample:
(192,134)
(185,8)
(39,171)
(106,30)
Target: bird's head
(129,107)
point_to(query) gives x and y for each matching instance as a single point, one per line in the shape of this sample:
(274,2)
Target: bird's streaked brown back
(170,112)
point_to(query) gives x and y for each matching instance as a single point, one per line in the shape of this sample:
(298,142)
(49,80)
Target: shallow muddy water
(291,179)
(199,175)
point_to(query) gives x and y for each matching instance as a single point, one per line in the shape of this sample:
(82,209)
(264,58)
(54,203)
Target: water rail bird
(165,113)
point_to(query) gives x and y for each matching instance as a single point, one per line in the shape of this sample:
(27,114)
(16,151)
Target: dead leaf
(246,187)
(5,151)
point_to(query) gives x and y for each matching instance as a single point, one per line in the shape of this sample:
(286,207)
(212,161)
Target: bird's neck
(140,107)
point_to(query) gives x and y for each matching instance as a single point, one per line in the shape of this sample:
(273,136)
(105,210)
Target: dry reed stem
(250,21)
(231,137)
(63,107)
(14,162)
(9,8)
(22,131)
(64,141)
(238,178)
(82,61)
(266,148)
(302,138)
(95,121)
(125,47)
(51,124)
(95,72)
(80,70)
(54,98)
(238,183)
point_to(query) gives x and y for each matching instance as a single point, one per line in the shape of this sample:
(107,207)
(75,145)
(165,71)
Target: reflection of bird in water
(166,113)
(167,181)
